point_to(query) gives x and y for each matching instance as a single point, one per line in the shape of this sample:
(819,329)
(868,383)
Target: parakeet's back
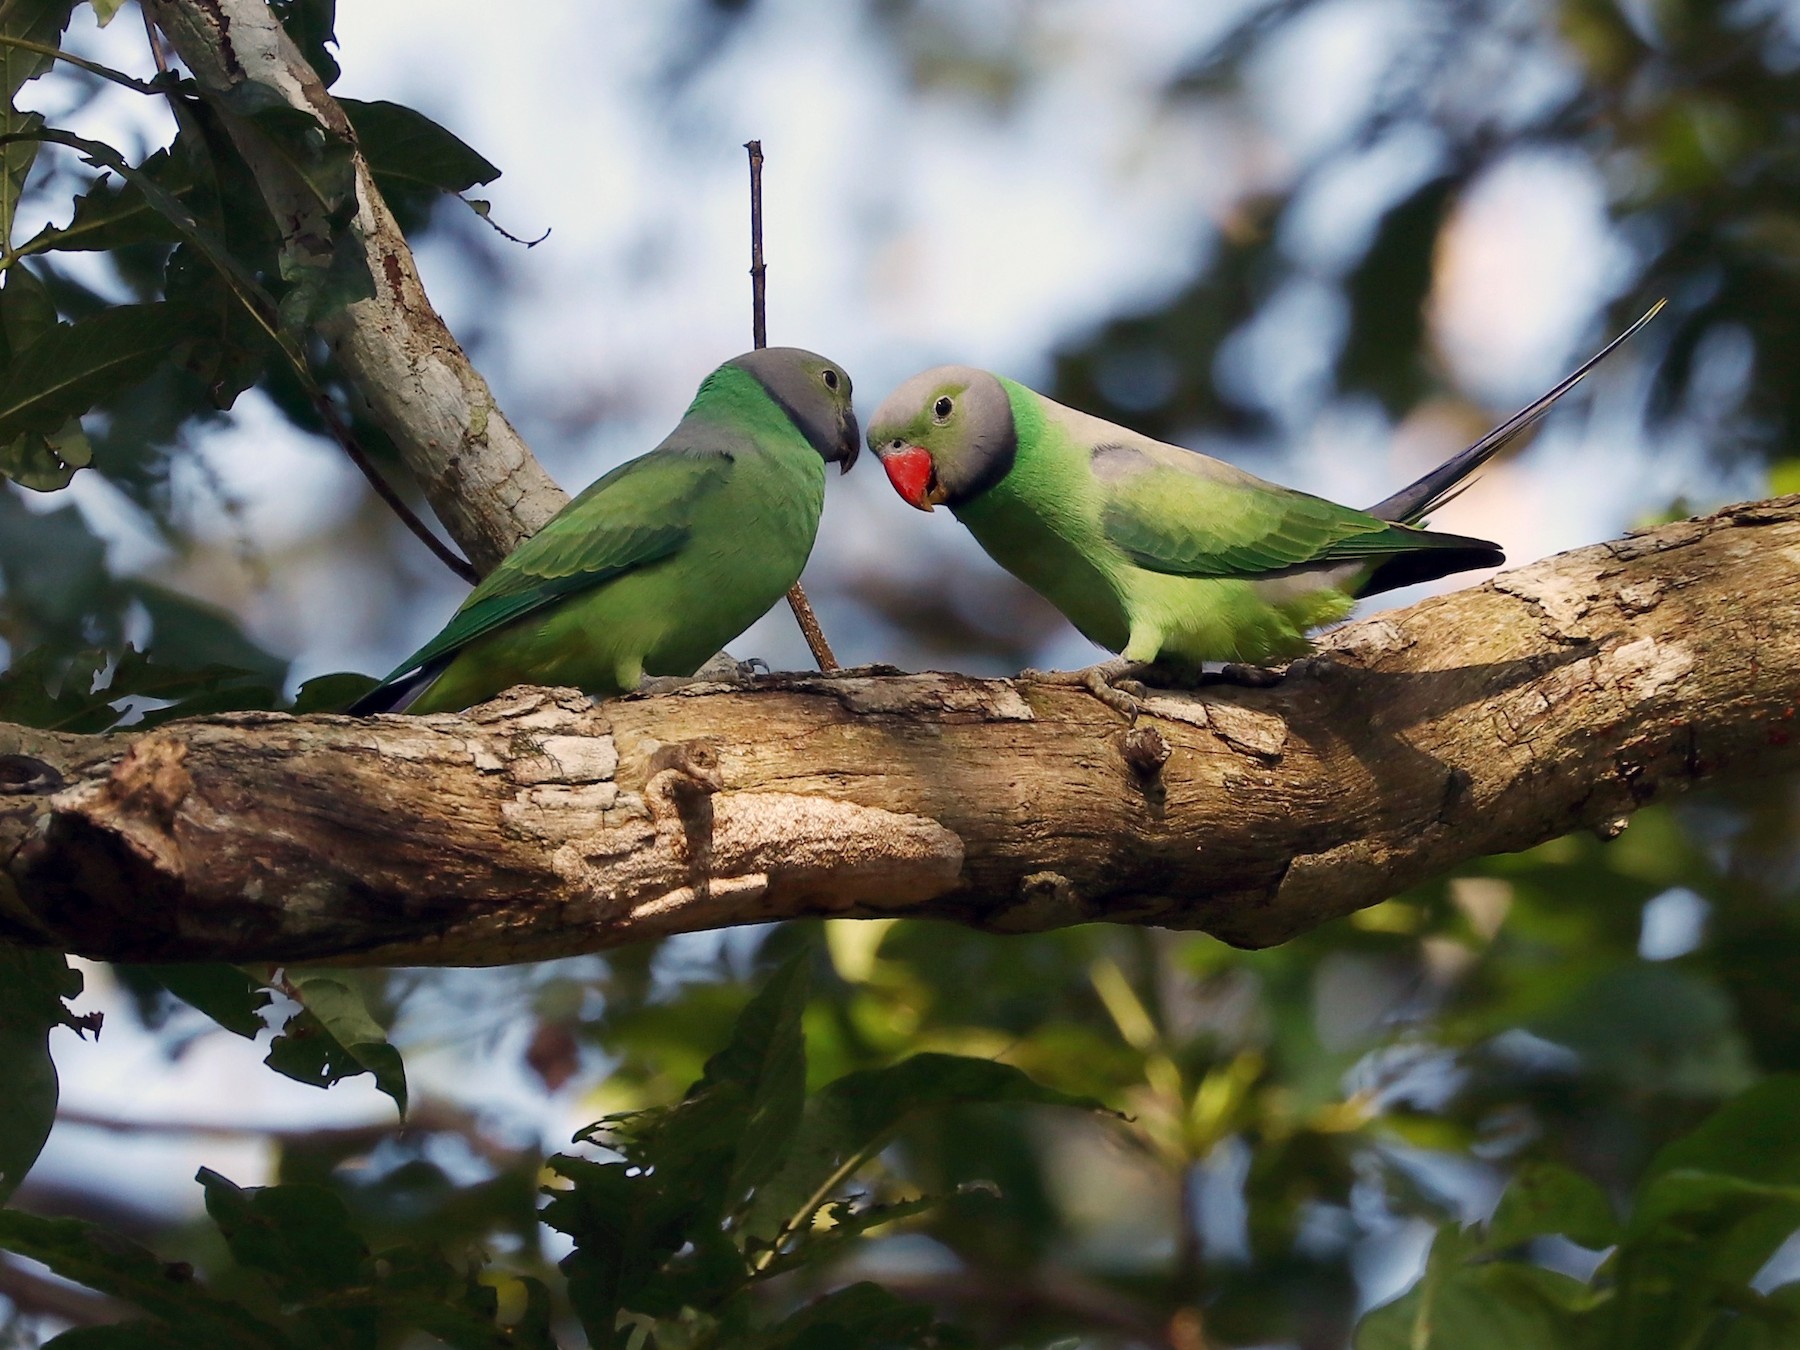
(1162,553)
(657,565)
(1156,552)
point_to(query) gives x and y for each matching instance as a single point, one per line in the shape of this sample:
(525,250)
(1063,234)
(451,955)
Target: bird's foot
(1113,682)
(722,668)
(1251,677)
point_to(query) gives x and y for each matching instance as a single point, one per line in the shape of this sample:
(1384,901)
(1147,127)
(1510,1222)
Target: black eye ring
(941,410)
(831,378)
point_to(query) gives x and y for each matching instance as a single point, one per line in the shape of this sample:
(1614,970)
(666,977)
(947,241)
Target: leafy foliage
(319,1285)
(89,692)
(1712,1209)
(225,299)
(740,1182)
(35,987)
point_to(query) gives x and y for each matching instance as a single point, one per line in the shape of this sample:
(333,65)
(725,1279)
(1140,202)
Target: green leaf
(42,22)
(46,463)
(32,692)
(322,159)
(332,693)
(766,1058)
(104,10)
(73,366)
(1544,1198)
(1387,291)
(855,1116)
(26,310)
(1752,1137)
(209,640)
(224,993)
(334,1037)
(1764,1322)
(1501,1306)
(311,24)
(297,1235)
(35,986)
(860,1315)
(117,214)
(413,158)
(16,159)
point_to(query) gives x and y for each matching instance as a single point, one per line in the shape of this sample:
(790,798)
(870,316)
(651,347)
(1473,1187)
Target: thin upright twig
(759,294)
(759,330)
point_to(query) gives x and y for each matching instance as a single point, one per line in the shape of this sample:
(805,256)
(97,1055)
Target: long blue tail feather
(1415,501)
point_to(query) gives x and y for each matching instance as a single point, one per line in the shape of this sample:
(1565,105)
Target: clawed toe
(1111,682)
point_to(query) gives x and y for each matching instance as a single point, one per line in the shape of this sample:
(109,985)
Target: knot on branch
(149,783)
(24,775)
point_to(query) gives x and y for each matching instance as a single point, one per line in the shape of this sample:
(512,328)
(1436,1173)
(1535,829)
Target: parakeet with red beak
(1162,554)
(663,561)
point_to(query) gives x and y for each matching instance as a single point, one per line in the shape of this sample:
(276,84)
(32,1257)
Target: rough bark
(476,471)
(1561,695)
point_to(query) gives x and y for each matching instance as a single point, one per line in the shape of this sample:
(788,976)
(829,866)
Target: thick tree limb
(478,474)
(1561,695)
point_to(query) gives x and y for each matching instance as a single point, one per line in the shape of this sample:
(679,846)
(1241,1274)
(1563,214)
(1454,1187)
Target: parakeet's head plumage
(945,436)
(814,392)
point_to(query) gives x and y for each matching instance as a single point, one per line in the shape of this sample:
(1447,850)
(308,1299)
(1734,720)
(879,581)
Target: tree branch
(1562,695)
(478,474)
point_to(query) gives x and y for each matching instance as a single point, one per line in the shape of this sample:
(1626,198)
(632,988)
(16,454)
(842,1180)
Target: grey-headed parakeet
(1159,553)
(663,561)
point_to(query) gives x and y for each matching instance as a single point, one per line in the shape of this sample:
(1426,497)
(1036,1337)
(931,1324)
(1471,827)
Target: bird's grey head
(946,435)
(814,392)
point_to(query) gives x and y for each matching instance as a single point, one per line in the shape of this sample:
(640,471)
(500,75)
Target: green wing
(636,515)
(1210,520)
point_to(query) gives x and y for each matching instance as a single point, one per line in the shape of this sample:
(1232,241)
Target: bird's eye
(831,379)
(940,411)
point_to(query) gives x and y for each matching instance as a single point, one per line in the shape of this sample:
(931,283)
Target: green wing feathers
(1166,519)
(638,514)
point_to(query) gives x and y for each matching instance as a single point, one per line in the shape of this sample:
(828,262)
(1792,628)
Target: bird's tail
(1415,501)
(396,693)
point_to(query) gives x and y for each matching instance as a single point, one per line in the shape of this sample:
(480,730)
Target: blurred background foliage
(1300,1124)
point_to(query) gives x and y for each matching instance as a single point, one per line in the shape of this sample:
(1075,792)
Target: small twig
(341,433)
(759,330)
(118,77)
(155,39)
(425,1118)
(809,628)
(759,292)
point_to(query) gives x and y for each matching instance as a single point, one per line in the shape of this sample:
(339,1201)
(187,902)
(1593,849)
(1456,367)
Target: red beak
(911,472)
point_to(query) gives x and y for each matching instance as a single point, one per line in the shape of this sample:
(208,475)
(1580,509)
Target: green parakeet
(1160,553)
(664,560)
